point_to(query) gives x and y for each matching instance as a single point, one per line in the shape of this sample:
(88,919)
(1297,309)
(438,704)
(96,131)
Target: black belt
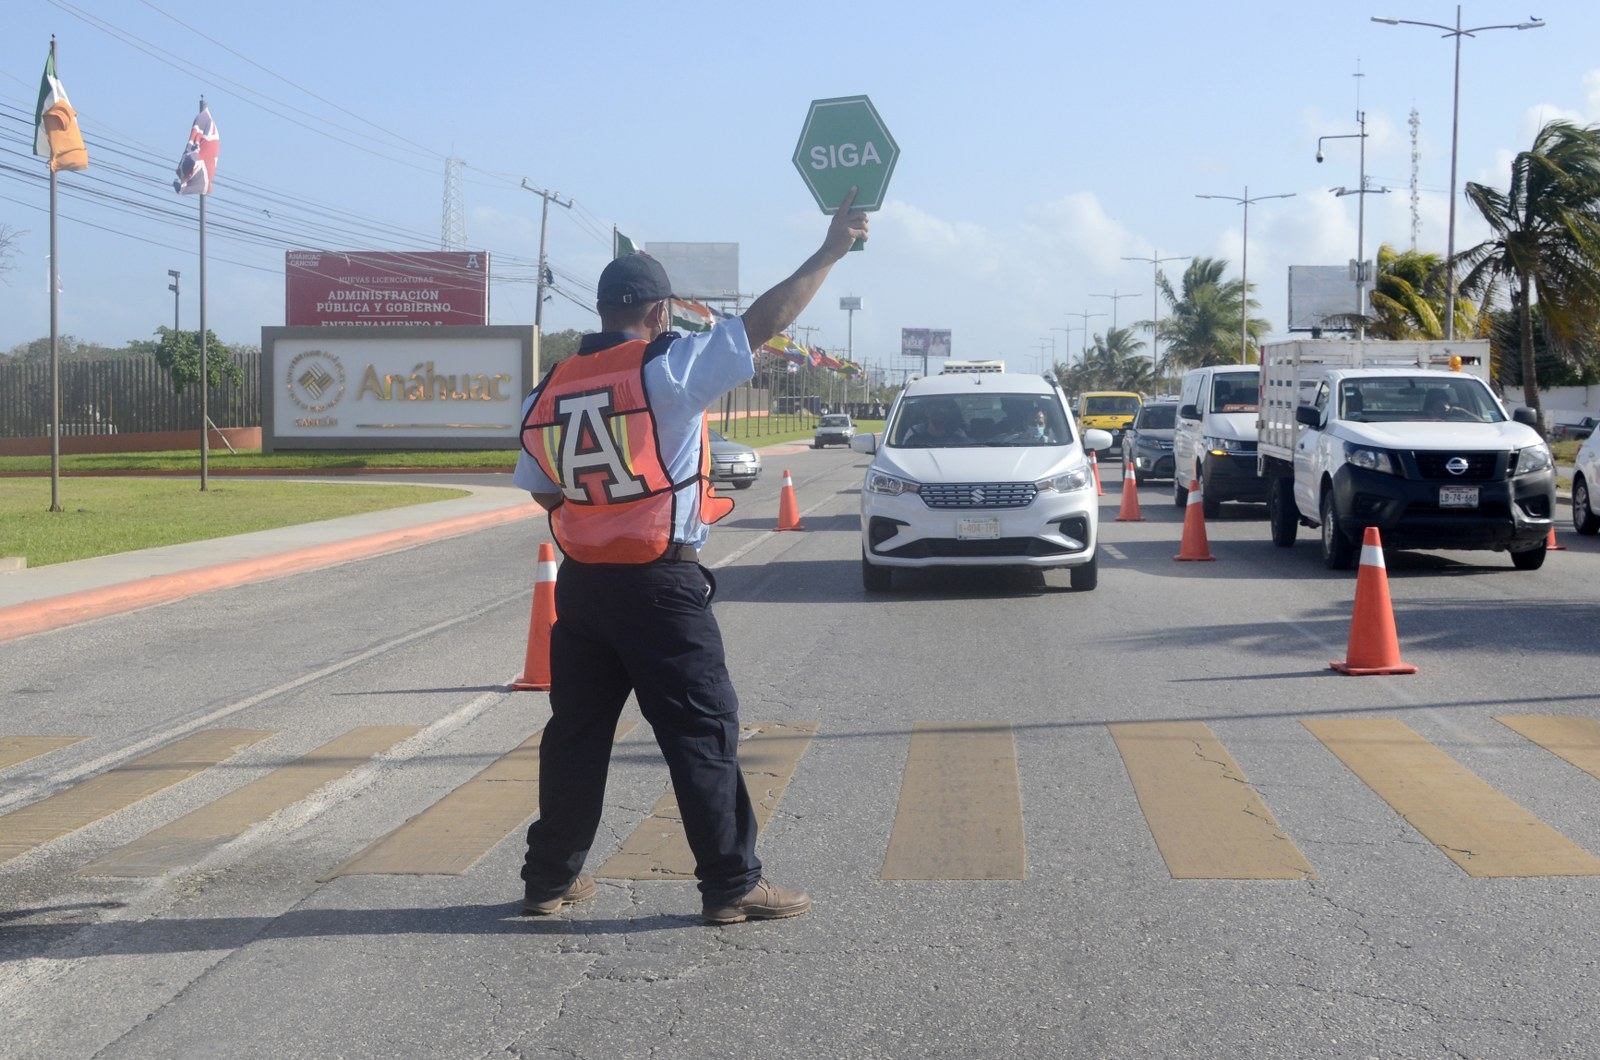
(680,553)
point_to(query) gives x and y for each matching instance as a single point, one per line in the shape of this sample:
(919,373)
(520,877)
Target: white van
(1218,409)
(980,469)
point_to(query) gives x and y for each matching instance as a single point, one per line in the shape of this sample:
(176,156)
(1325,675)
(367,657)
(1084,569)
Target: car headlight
(1068,481)
(888,485)
(1369,459)
(1224,445)
(1534,458)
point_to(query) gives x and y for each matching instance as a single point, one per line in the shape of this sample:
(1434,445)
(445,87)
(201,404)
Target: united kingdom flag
(198,166)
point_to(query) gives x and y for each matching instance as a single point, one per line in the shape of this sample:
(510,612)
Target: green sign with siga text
(845,145)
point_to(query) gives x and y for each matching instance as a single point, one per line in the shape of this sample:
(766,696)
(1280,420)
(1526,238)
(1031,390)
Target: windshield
(1110,405)
(1158,417)
(979,419)
(1427,398)
(1236,392)
(834,421)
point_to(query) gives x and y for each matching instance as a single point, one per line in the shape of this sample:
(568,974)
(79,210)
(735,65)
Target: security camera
(1319,156)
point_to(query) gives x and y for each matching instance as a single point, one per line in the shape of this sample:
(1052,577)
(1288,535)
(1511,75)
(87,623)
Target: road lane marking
(454,833)
(1577,740)
(960,812)
(1481,830)
(190,838)
(769,752)
(14,749)
(1207,820)
(101,796)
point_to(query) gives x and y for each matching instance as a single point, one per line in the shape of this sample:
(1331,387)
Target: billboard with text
(386,287)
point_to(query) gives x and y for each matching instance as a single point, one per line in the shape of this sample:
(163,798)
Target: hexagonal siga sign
(845,144)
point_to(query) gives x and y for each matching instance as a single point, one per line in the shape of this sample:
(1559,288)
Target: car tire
(746,484)
(1209,505)
(1281,512)
(1584,521)
(1180,494)
(1084,577)
(1338,551)
(1531,559)
(1139,477)
(875,579)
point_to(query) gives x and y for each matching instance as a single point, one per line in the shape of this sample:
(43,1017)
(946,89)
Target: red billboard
(386,287)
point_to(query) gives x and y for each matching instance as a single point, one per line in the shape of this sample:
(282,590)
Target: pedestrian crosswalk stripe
(960,812)
(450,837)
(1207,820)
(191,837)
(1575,739)
(769,752)
(14,749)
(1481,830)
(100,796)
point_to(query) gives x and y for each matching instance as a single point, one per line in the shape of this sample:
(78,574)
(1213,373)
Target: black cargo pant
(646,629)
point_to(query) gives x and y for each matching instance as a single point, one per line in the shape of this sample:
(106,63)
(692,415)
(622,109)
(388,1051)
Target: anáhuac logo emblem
(315,380)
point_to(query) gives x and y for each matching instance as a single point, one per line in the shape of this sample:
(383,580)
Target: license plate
(1458,496)
(977,529)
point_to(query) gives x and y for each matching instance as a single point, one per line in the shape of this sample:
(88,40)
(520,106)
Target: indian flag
(55,124)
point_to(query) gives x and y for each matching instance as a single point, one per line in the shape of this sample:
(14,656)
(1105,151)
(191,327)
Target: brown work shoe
(582,890)
(766,901)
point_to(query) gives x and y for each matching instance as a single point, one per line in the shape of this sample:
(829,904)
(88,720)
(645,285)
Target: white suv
(980,470)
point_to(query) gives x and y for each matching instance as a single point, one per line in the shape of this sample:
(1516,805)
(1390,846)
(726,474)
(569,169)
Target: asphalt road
(1146,820)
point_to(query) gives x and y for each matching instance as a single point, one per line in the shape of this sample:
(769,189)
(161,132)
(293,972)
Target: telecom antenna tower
(1416,155)
(453,229)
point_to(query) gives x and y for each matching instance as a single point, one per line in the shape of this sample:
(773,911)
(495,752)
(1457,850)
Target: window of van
(1236,392)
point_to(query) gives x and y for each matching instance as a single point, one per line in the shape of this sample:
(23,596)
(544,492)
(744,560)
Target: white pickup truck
(1404,436)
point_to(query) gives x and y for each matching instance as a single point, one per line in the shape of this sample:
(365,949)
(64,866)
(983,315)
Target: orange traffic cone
(1550,543)
(1194,545)
(1129,512)
(536,667)
(1373,648)
(1094,465)
(788,507)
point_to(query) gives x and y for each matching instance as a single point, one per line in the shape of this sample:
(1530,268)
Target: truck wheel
(875,579)
(1281,512)
(1180,492)
(1085,576)
(1532,559)
(1338,551)
(1584,521)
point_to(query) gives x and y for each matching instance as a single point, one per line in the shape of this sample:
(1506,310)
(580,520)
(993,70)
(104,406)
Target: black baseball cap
(633,280)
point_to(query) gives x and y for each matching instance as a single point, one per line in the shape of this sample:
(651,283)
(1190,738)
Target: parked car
(834,429)
(1585,481)
(1147,445)
(1573,432)
(731,462)
(980,470)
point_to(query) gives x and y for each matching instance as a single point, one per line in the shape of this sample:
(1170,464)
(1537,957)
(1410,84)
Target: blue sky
(1040,144)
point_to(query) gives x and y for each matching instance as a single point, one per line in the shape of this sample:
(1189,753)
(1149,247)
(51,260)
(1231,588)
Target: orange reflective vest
(591,430)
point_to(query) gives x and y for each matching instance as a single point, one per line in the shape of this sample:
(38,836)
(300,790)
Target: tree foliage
(1202,325)
(179,353)
(8,247)
(1112,363)
(1544,245)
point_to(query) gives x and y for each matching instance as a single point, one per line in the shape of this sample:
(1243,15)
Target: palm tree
(1544,242)
(1202,327)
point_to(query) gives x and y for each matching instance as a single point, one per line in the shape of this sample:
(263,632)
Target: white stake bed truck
(1404,436)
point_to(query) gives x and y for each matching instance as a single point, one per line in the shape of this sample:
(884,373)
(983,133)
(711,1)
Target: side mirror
(1096,439)
(865,443)
(1526,416)
(1189,412)
(1307,415)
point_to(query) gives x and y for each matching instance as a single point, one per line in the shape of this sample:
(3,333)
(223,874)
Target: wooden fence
(119,396)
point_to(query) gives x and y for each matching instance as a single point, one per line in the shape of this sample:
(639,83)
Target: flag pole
(55,353)
(205,376)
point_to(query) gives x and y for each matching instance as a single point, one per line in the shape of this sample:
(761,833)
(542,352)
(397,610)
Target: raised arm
(778,307)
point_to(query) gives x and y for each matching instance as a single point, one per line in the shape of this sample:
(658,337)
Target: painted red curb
(39,616)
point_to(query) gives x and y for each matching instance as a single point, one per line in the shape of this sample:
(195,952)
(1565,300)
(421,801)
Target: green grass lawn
(102,516)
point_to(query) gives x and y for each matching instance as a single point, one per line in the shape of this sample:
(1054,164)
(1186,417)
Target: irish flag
(692,316)
(55,124)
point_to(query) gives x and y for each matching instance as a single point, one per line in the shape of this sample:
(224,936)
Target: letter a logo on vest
(845,144)
(589,456)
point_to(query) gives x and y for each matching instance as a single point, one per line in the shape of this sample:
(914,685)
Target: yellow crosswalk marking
(14,749)
(960,812)
(657,849)
(1481,830)
(193,836)
(1575,739)
(450,837)
(1207,821)
(101,796)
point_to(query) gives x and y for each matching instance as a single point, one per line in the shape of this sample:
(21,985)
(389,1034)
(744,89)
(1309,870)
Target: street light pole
(1155,306)
(1244,264)
(1361,217)
(1455,139)
(173,287)
(1114,298)
(1085,326)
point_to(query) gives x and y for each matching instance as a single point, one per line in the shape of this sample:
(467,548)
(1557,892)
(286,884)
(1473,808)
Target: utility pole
(544,269)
